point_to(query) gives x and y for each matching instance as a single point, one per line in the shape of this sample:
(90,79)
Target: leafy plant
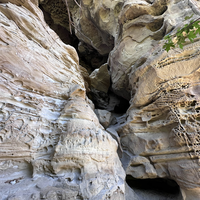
(189,31)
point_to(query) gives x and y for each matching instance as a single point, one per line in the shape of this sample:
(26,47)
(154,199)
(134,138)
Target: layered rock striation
(52,145)
(161,134)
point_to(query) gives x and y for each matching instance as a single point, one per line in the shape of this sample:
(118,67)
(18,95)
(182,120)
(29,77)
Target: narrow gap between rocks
(109,101)
(90,59)
(158,187)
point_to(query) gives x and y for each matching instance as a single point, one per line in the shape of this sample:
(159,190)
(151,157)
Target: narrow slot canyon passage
(92,104)
(90,59)
(106,102)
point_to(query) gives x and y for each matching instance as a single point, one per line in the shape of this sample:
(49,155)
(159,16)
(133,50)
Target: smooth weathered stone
(52,144)
(85,21)
(163,118)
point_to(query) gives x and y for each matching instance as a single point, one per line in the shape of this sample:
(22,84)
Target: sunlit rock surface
(162,128)
(52,145)
(161,134)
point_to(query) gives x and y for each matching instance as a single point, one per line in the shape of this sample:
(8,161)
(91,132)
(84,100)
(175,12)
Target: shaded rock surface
(100,79)
(104,117)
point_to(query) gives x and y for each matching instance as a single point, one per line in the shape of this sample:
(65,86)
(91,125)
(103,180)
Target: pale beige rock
(131,27)
(163,119)
(47,124)
(85,20)
(160,132)
(86,78)
(143,25)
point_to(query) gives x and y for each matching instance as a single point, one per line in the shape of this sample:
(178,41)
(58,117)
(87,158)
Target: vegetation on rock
(189,31)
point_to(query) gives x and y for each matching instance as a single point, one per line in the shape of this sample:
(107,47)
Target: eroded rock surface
(162,128)
(100,79)
(163,120)
(52,145)
(160,135)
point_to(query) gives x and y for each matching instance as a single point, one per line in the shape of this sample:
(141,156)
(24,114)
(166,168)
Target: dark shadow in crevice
(122,107)
(61,31)
(109,101)
(158,186)
(89,57)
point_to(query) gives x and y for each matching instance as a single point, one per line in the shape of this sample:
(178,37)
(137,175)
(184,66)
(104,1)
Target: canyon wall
(67,133)
(52,145)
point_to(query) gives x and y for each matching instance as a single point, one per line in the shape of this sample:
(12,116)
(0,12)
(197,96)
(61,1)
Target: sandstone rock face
(160,135)
(86,20)
(104,117)
(162,128)
(52,145)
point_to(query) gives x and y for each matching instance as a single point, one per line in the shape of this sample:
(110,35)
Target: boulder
(100,79)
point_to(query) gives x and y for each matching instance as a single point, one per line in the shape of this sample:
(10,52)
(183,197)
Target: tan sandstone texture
(53,145)
(162,126)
